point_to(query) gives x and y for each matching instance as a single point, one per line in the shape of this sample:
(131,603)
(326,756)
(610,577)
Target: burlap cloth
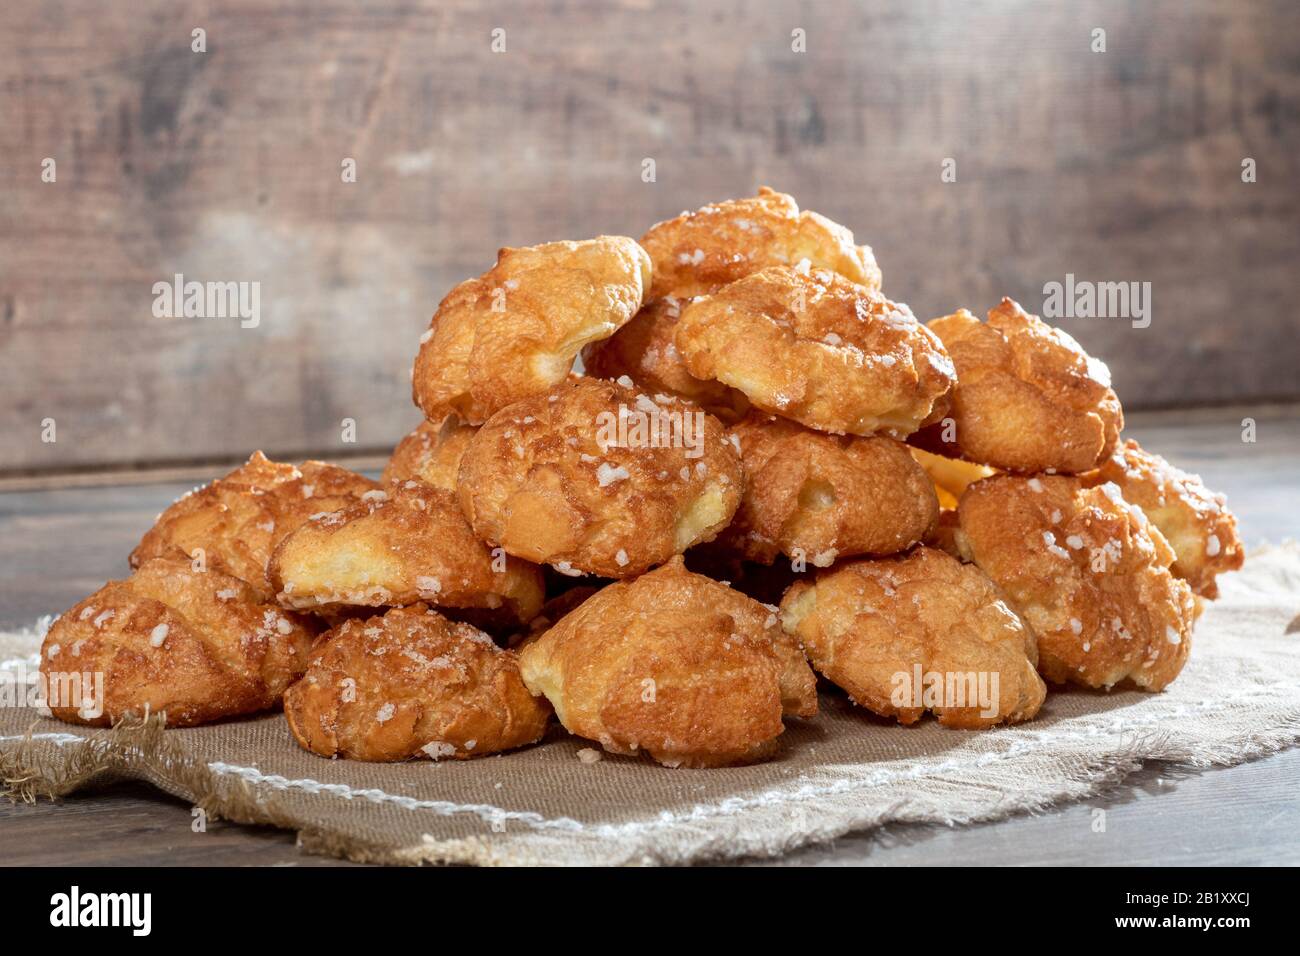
(1238,697)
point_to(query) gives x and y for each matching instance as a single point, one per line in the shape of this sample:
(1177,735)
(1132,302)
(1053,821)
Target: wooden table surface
(59,544)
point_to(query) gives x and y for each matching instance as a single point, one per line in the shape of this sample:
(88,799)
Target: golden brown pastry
(820,497)
(1195,521)
(699,252)
(675,664)
(233,524)
(412,684)
(1028,398)
(645,352)
(1087,572)
(944,535)
(813,346)
(403,545)
(196,645)
(431,453)
(596,477)
(918,632)
(514,331)
(551,612)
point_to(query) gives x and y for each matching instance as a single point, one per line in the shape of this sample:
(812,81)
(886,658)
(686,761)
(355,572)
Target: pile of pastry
(761,469)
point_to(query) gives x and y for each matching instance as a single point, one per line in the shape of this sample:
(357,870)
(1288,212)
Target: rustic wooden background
(225,165)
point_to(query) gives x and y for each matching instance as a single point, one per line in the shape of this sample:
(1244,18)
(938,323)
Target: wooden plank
(136,824)
(1238,816)
(59,544)
(225,165)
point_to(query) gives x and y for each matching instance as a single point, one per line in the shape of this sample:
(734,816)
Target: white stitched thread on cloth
(1026,740)
(884,775)
(59,739)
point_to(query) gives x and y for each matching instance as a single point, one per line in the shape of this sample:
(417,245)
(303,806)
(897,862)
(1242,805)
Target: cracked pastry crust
(197,645)
(918,632)
(237,521)
(699,252)
(558,480)
(514,331)
(1087,572)
(1028,397)
(645,352)
(1195,520)
(675,664)
(411,684)
(405,544)
(815,347)
(430,453)
(824,497)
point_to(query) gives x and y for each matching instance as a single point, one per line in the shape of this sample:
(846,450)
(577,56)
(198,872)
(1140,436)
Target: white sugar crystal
(1172,635)
(621,558)
(349,688)
(385,713)
(588,755)
(825,559)
(607,474)
(1049,539)
(437,749)
(158,635)
(1212,546)
(1111,491)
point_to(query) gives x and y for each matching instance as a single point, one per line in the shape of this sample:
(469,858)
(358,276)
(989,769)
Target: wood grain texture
(1236,816)
(225,166)
(58,545)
